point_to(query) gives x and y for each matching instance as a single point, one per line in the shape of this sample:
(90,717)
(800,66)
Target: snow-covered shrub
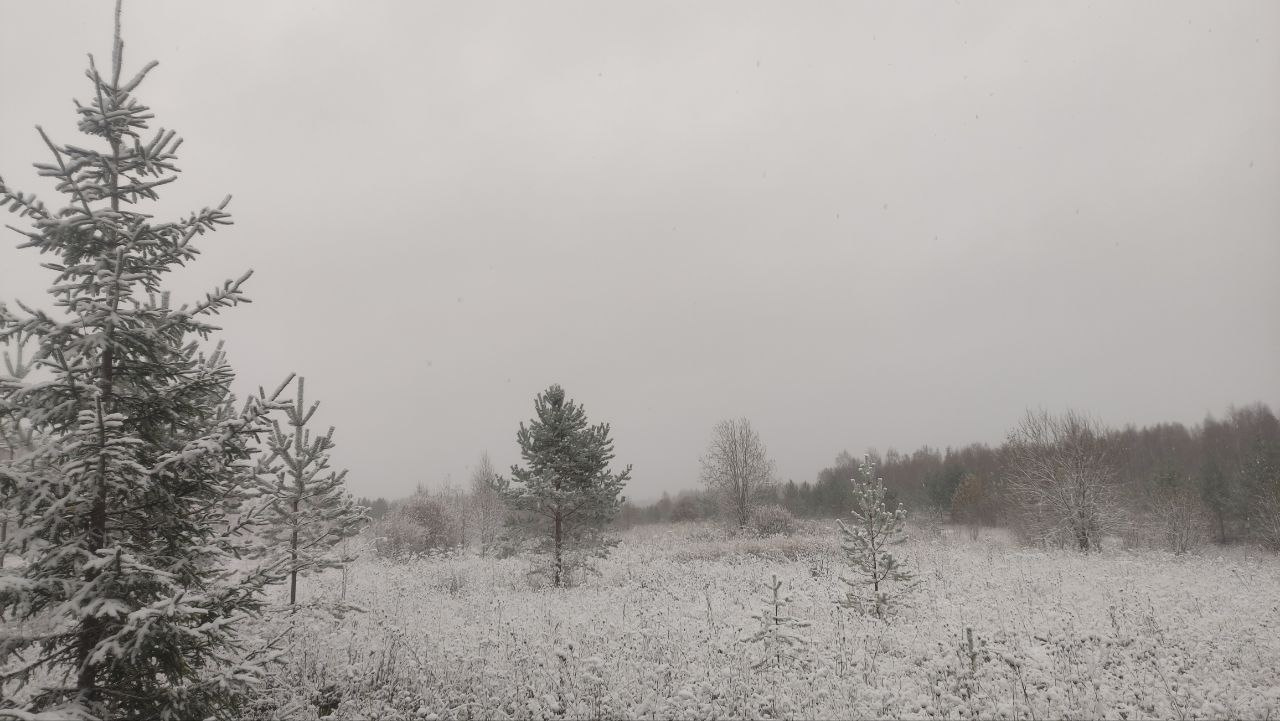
(417,526)
(692,506)
(1266,517)
(453,579)
(772,521)
(955,676)
(1181,521)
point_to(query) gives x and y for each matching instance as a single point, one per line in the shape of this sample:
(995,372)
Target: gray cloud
(859,225)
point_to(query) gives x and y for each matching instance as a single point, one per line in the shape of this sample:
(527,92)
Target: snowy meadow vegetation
(993,631)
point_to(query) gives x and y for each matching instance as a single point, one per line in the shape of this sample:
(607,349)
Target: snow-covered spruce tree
(780,637)
(125,605)
(567,487)
(880,581)
(310,510)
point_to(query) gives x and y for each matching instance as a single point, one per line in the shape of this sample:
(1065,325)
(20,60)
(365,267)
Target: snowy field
(659,633)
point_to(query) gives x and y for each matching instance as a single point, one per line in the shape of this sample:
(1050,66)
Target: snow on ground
(659,634)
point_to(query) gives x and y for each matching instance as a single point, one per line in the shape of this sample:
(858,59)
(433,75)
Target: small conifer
(310,510)
(880,580)
(567,485)
(780,638)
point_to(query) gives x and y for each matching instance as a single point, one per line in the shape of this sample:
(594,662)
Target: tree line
(1221,476)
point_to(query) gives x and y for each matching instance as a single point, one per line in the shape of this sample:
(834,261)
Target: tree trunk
(1082,540)
(293,559)
(559,560)
(91,630)
(4,523)
(299,487)
(96,536)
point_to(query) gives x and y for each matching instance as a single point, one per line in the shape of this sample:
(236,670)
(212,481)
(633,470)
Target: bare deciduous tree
(488,512)
(1061,480)
(737,468)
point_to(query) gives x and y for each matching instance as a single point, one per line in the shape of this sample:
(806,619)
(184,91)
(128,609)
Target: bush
(970,504)
(419,525)
(690,506)
(1266,518)
(1181,521)
(772,520)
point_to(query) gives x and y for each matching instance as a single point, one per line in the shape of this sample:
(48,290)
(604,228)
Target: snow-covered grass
(993,631)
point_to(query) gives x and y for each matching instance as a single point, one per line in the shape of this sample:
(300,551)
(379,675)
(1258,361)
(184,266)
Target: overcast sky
(858,225)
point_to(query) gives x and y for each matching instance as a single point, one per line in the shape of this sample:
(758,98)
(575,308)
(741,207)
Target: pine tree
(310,510)
(780,638)
(136,450)
(567,484)
(881,580)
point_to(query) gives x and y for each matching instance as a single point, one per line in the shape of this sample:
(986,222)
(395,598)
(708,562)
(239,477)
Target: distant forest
(1227,468)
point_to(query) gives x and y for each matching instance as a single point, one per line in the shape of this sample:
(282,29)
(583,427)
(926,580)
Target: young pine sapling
(780,637)
(880,581)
